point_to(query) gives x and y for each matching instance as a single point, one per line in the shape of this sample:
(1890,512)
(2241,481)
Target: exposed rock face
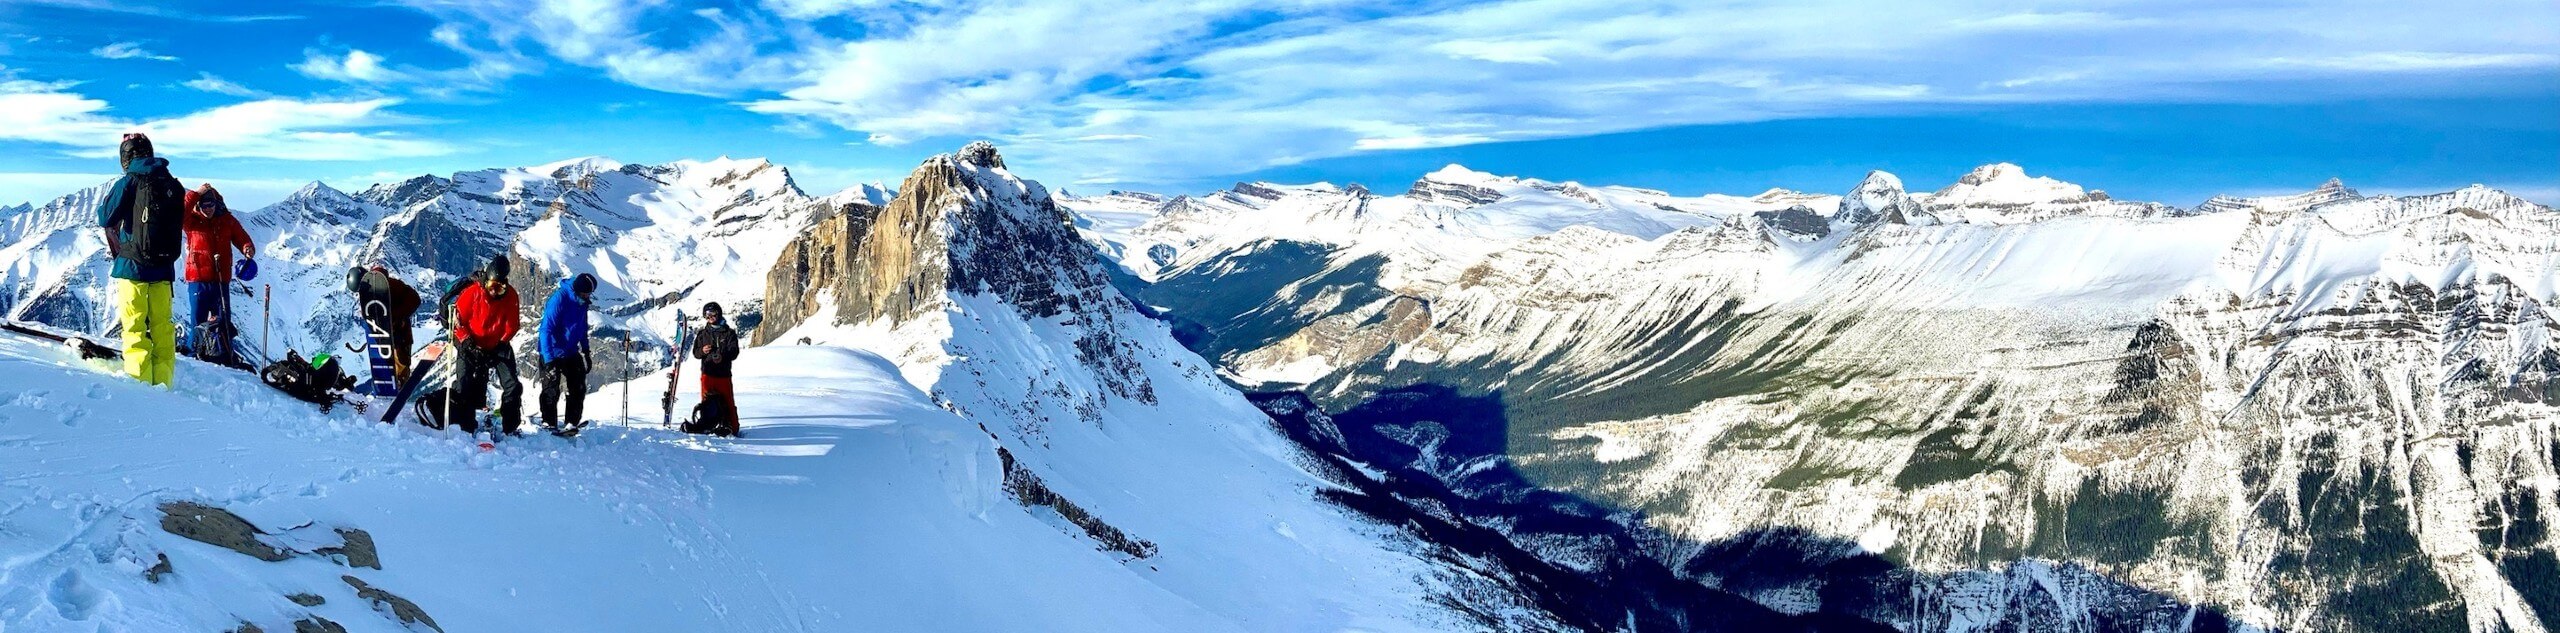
(960,226)
(219,528)
(391,605)
(1456,193)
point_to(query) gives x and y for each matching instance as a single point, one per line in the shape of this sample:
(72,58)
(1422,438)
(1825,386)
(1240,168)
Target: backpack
(307,381)
(712,418)
(155,227)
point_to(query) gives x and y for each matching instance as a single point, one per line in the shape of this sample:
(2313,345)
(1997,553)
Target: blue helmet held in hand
(246,270)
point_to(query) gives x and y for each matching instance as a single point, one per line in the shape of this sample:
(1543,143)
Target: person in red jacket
(212,232)
(486,317)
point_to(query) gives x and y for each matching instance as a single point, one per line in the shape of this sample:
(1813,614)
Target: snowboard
(88,350)
(378,350)
(417,375)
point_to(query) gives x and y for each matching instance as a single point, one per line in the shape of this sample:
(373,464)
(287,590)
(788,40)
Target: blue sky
(2170,100)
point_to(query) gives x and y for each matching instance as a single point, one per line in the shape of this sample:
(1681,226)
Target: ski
(88,350)
(684,336)
(417,375)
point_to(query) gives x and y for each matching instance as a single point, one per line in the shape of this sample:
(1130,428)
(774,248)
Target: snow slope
(853,504)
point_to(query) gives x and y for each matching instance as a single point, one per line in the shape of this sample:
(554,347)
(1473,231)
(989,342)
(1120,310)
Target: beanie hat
(584,285)
(136,146)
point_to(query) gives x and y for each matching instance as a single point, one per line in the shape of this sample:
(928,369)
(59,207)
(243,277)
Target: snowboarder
(563,342)
(387,305)
(212,232)
(717,346)
(143,218)
(485,324)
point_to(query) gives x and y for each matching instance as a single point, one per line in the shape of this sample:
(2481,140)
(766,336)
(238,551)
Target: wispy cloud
(485,72)
(2413,61)
(279,128)
(156,10)
(208,82)
(129,50)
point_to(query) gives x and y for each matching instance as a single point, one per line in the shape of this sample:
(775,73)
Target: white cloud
(208,82)
(288,129)
(129,50)
(486,71)
(355,66)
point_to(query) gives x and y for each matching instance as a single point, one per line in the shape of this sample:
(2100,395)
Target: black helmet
(584,285)
(497,267)
(711,309)
(135,147)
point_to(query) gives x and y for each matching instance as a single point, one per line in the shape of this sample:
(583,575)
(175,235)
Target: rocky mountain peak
(404,193)
(960,231)
(1991,172)
(982,154)
(1880,198)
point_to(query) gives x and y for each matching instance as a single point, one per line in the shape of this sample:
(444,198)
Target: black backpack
(155,221)
(298,378)
(712,418)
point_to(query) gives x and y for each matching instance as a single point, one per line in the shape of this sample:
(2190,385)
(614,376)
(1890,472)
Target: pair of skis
(683,348)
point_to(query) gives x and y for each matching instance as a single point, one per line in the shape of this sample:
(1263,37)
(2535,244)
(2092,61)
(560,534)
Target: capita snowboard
(417,375)
(385,382)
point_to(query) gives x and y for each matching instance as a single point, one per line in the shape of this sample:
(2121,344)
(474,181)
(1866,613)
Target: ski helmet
(497,267)
(584,285)
(711,310)
(246,270)
(321,360)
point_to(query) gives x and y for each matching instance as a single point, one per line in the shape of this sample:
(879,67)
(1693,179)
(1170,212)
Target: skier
(144,218)
(563,342)
(212,232)
(717,346)
(485,324)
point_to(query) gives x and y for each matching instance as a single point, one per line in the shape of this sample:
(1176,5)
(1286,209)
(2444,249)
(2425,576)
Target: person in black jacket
(717,346)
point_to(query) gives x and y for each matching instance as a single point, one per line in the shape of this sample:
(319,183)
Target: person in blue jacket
(564,352)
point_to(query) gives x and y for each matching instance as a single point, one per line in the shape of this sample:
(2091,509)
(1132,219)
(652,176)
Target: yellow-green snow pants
(150,337)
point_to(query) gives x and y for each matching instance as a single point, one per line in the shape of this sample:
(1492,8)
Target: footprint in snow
(98,391)
(73,417)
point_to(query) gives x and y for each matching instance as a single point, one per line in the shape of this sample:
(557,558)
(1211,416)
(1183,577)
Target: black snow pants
(480,367)
(571,372)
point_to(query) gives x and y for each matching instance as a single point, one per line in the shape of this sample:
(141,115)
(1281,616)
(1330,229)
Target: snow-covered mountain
(2292,408)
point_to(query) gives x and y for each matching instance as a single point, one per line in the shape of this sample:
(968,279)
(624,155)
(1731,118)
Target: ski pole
(626,377)
(263,317)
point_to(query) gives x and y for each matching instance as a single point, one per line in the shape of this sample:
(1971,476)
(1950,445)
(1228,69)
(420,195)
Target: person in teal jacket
(563,343)
(143,216)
